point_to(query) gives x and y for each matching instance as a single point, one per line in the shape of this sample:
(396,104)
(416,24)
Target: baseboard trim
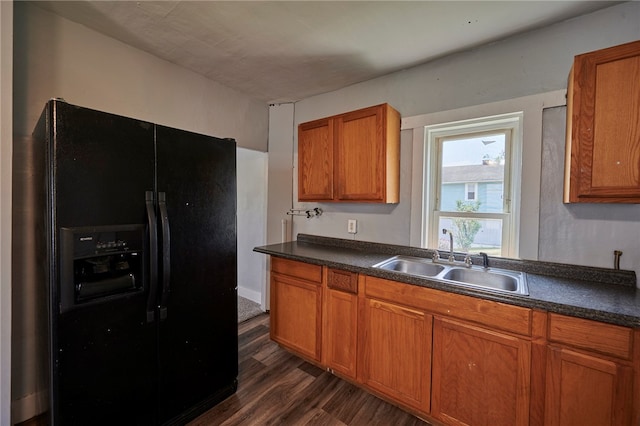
(254,296)
(29,406)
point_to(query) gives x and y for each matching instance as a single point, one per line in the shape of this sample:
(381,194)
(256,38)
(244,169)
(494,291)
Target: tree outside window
(466,229)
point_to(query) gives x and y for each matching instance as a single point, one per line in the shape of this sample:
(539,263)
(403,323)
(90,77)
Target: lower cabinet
(480,377)
(396,352)
(296,306)
(340,330)
(456,359)
(587,390)
(590,374)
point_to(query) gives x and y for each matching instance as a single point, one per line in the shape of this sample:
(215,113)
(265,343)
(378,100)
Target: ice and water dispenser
(100,263)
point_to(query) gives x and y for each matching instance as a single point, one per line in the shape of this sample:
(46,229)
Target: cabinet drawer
(595,336)
(297,269)
(342,280)
(497,315)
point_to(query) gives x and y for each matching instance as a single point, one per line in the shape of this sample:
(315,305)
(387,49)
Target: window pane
(471,189)
(471,234)
(472,174)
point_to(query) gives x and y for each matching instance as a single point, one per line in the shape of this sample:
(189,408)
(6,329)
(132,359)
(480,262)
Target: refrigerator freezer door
(198,338)
(104,352)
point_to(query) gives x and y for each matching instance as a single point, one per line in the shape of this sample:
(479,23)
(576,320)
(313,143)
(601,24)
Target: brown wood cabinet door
(351,157)
(340,332)
(480,377)
(296,314)
(396,355)
(586,390)
(315,160)
(604,137)
(360,152)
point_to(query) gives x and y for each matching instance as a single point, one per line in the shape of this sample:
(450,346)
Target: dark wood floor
(276,387)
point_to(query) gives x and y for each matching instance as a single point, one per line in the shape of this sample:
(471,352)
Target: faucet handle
(467,261)
(435,256)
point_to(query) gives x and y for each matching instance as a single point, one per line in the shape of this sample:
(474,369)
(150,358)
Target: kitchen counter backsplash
(600,294)
(559,270)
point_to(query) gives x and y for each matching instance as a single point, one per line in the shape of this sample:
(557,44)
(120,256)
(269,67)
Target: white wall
(54,57)
(533,63)
(280,171)
(252,219)
(6,96)
(280,180)
(585,234)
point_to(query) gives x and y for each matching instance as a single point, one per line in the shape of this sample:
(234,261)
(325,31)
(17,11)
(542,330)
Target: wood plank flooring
(278,388)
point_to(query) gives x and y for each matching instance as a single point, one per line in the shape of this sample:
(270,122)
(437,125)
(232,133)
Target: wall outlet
(352,226)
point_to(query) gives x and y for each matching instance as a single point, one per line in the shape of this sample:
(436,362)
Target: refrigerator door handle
(153,256)
(166,253)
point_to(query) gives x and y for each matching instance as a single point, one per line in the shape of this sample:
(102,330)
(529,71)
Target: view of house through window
(470,193)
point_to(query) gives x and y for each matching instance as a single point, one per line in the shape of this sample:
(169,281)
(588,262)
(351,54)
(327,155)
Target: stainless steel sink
(490,279)
(411,266)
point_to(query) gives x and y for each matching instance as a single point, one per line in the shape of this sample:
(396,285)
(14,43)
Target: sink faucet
(445,232)
(485,260)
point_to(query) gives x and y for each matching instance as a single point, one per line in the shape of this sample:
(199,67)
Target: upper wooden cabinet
(351,157)
(315,160)
(603,127)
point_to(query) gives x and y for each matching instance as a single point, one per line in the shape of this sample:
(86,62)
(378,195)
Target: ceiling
(280,51)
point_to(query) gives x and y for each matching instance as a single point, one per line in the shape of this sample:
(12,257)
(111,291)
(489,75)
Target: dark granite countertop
(600,294)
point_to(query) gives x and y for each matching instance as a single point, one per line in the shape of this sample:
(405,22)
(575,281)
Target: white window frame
(529,204)
(467,185)
(435,135)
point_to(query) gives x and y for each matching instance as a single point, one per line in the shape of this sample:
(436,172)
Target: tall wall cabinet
(351,157)
(603,127)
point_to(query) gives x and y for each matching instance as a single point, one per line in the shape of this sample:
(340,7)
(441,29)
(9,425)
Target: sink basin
(411,266)
(490,279)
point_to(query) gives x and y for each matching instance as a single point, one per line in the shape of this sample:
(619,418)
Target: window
(470,190)
(469,176)
(524,168)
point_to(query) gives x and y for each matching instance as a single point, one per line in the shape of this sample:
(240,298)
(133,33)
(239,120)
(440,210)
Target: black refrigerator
(140,256)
